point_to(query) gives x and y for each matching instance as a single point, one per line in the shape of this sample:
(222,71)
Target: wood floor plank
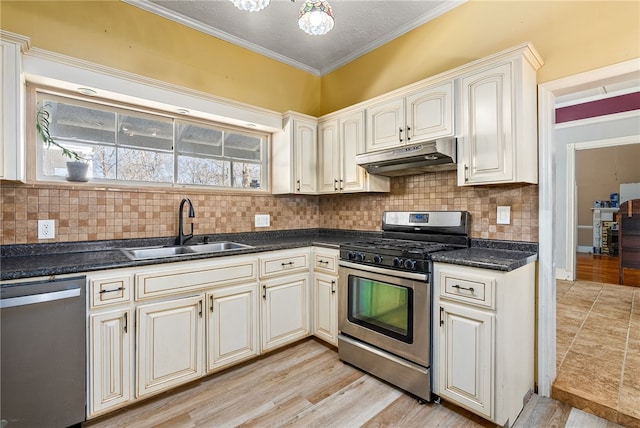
(579,419)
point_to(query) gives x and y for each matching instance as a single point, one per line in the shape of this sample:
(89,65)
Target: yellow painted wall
(128,38)
(571,36)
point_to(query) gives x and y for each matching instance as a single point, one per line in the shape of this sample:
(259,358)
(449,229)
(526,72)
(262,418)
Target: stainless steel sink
(145,253)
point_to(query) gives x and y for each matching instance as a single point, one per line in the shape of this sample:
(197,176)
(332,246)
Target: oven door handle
(384,271)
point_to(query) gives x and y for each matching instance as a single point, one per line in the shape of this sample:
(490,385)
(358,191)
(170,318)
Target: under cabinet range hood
(430,156)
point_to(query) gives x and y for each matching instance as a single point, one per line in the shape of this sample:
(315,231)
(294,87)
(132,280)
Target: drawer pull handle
(333,287)
(200,308)
(211,301)
(287,264)
(264,292)
(111,291)
(126,322)
(463,288)
(324,262)
(441,312)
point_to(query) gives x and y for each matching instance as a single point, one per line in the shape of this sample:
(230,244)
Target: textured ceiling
(360,26)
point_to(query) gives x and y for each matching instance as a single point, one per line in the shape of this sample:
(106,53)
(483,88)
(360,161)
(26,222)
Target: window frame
(35,94)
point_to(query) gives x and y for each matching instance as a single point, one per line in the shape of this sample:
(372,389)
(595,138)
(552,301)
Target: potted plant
(77,167)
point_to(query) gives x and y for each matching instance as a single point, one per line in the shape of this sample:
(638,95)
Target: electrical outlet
(504,215)
(46,229)
(262,220)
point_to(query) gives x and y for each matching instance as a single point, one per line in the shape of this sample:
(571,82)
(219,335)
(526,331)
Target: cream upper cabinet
(12,162)
(498,141)
(294,156)
(483,345)
(421,115)
(340,140)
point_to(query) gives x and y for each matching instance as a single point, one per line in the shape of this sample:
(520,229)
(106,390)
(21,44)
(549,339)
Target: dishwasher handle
(39,298)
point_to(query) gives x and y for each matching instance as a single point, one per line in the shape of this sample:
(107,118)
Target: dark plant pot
(77,171)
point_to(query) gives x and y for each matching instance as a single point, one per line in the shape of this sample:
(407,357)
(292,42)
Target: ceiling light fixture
(251,5)
(316,17)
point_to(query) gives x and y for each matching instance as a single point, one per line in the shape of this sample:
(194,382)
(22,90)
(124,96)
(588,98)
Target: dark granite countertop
(39,260)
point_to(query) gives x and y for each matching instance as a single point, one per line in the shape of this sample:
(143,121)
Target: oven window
(382,307)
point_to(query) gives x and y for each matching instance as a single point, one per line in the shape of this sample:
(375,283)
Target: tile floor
(598,349)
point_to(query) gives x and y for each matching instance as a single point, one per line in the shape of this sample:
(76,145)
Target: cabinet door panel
(466,357)
(285,315)
(487,129)
(305,154)
(111,360)
(325,314)
(430,113)
(232,325)
(329,157)
(352,136)
(170,337)
(384,125)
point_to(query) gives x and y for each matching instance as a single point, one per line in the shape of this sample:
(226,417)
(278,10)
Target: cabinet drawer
(325,262)
(190,278)
(469,288)
(110,290)
(284,262)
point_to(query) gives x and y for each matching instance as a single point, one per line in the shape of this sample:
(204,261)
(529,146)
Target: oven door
(387,309)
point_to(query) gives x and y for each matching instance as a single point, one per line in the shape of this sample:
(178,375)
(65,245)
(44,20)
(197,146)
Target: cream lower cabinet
(325,294)
(111,363)
(484,339)
(232,325)
(170,343)
(284,284)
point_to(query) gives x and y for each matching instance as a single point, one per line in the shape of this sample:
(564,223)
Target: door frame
(547,93)
(572,196)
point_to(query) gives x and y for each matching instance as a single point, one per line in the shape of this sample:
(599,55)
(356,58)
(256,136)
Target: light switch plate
(46,229)
(262,220)
(504,215)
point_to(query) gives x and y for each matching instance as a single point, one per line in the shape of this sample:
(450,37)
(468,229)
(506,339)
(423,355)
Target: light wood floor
(306,385)
(603,268)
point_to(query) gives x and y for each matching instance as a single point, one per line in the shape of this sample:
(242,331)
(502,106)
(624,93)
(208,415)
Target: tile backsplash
(86,214)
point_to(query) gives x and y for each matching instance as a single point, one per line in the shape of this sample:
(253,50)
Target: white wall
(582,131)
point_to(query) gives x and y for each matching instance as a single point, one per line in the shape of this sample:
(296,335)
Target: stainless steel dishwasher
(43,367)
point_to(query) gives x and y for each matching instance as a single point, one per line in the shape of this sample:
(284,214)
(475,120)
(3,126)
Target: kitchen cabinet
(12,107)
(484,339)
(497,142)
(285,297)
(232,325)
(421,115)
(111,342)
(294,156)
(325,296)
(170,337)
(340,140)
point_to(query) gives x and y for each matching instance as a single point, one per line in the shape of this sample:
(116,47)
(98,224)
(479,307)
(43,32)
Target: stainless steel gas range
(385,296)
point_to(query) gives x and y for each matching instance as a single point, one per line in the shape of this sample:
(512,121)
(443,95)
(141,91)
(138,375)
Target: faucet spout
(182,238)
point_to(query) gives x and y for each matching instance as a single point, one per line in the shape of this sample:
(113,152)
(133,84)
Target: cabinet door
(110,360)
(385,125)
(170,336)
(329,157)
(232,325)
(285,310)
(11,112)
(465,357)
(487,141)
(430,113)
(305,136)
(352,176)
(325,308)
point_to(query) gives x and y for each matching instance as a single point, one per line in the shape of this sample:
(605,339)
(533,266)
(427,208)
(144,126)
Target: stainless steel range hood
(431,156)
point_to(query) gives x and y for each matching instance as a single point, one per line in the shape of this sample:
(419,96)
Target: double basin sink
(145,253)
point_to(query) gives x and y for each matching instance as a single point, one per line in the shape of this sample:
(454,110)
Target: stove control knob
(377,259)
(397,262)
(410,264)
(360,257)
(351,255)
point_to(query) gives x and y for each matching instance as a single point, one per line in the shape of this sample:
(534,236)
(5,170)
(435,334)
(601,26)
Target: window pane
(195,139)
(143,165)
(145,132)
(194,170)
(243,147)
(247,175)
(55,164)
(73,122)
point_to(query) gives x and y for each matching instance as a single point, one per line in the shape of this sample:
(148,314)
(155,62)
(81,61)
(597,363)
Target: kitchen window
(125,145)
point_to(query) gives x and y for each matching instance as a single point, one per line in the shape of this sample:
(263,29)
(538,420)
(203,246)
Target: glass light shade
(251,5)
(316,17)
